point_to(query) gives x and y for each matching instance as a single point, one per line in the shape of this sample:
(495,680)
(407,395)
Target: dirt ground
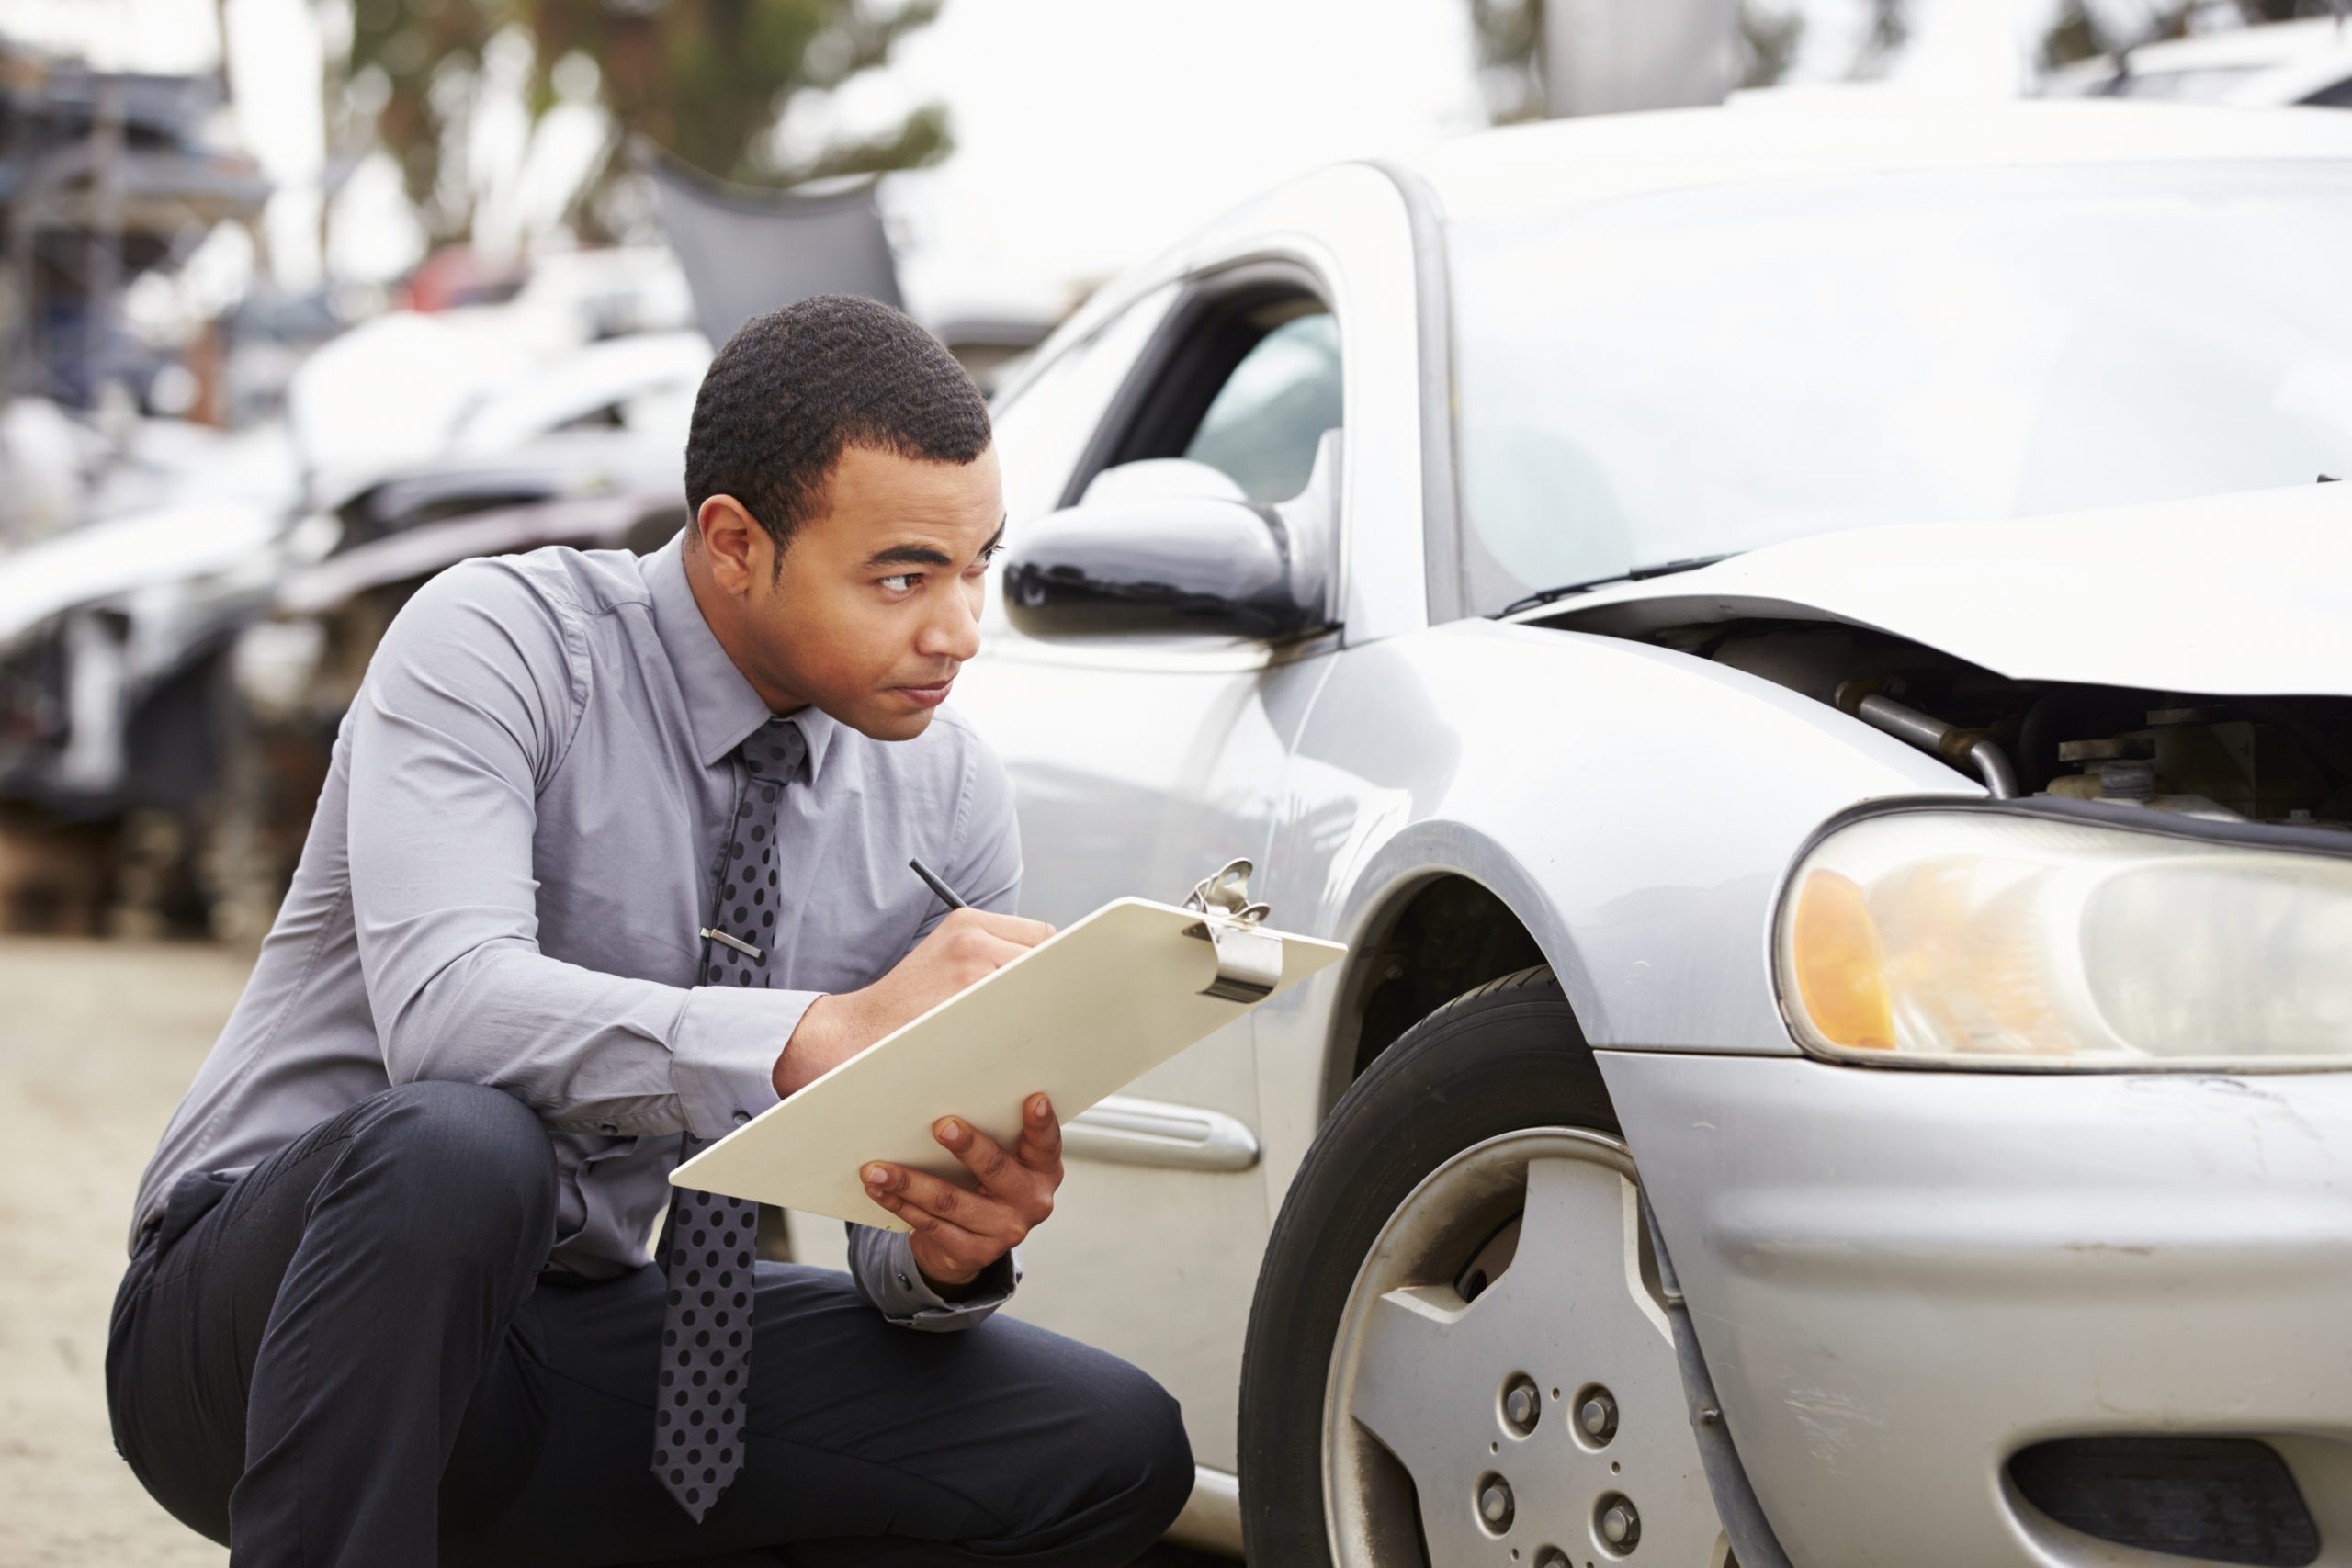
(97,1041)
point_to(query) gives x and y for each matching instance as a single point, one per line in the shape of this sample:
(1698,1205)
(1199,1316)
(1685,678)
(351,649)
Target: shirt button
(905,1283)
(742,1117)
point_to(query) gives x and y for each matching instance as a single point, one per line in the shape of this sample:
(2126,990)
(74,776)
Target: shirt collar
(722,708)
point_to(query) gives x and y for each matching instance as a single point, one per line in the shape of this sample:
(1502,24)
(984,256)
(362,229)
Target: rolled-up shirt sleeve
(471,700)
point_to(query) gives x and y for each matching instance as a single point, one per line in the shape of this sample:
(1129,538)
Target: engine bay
(2281,758)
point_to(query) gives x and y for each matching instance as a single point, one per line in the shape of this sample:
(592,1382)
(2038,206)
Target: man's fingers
(981,1154)
(996,951)
(916,1219)
(940,1241)
(975,1211)
(978,953)
(923,1222)
(1012,928)
(1041,1135)
(1016,1191)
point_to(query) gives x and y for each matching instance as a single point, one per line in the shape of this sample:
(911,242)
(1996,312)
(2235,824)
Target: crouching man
(613,855)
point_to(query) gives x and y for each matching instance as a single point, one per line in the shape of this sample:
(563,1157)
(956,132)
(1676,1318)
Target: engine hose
(1932,734)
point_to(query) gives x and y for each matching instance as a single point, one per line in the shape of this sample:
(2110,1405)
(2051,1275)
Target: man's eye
(902,583)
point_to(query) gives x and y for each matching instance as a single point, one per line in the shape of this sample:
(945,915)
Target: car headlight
(2025,940)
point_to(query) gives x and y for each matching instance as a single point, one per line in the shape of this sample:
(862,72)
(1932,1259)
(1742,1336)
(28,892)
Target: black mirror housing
(1178,566)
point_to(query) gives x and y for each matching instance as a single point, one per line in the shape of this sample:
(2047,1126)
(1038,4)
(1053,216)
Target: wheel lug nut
(1621,1527)
(1495,1504)
(1597,1414)
(1522,1404)
(1552,1557)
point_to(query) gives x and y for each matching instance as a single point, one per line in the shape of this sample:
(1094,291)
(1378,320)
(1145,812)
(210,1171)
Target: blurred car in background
(118,706)
(556,398)
(2283,63)
(296,671)
(1802,652)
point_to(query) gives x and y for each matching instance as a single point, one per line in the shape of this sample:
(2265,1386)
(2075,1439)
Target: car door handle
(1124,1131)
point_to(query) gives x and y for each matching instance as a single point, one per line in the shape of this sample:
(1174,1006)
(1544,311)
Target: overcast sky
(1088,132)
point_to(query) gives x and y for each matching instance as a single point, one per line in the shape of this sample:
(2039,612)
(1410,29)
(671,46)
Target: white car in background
(1806,655)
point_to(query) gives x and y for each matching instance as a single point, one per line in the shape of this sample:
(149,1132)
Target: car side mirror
(1161,478)
(1194,567)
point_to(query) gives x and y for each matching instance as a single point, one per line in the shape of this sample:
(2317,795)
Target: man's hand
(968,945)
(958,1233)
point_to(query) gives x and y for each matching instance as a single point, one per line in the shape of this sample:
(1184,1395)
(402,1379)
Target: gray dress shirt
(514,846)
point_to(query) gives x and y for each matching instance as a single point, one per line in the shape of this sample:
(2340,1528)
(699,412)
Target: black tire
(1505,1057)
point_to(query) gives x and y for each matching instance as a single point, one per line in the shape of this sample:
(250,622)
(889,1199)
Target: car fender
(1636,808)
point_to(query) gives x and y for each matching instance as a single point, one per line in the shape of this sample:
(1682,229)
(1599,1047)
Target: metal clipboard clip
(1248,961)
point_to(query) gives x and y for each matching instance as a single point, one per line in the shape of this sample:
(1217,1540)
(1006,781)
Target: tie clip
(713,933)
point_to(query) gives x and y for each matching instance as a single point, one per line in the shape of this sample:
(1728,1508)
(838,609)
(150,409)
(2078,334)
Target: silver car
(1806,652)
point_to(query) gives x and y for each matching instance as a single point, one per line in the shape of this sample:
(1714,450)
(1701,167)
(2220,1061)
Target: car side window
(1047,421)
(1261,428)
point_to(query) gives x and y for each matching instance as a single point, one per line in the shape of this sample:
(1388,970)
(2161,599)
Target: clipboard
(1079,1016)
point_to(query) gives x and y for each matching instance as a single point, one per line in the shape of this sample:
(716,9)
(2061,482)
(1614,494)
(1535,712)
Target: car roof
(1829,135)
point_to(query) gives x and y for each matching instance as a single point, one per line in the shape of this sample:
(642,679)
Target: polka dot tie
(706,1245)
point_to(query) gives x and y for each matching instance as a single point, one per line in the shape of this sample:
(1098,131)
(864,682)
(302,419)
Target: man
(613,855)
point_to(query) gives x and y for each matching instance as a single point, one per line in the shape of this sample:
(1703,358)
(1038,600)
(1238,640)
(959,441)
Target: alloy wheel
(1503,1386)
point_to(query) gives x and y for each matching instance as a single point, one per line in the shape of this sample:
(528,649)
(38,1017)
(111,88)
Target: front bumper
(1900,1279)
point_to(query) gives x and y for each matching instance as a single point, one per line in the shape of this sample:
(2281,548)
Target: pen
(946,894)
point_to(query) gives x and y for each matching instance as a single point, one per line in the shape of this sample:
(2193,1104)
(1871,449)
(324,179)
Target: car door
(1141,765)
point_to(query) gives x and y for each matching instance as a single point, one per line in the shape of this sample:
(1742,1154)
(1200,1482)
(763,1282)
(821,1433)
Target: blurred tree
(707,80)
(412,68)
(1772,43)
(1509,35)
(2077,33)
(2083,30)
(1886,30)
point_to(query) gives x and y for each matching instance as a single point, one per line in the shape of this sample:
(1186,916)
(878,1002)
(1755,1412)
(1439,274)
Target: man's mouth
(926,696)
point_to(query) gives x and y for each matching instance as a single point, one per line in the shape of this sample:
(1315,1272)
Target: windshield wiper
(1663,569)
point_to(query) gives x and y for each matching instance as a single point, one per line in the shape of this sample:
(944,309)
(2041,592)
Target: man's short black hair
(794,387)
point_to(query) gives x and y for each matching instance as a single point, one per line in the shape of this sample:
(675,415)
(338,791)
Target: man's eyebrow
(923,555)
(907,555)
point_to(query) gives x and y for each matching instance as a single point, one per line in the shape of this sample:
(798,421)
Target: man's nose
(954,631)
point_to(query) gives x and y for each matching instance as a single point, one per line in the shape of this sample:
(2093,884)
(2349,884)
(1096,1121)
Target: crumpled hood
(2227,596)
(99,560)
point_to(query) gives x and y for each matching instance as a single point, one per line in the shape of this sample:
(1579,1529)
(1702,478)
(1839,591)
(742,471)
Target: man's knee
(1161,1454)
(1137,1453)
(459,1160)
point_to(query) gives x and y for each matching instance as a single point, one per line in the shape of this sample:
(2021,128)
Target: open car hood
(122,554)
(2227,596)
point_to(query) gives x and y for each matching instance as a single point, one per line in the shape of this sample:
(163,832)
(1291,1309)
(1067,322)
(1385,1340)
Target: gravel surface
(97,1041)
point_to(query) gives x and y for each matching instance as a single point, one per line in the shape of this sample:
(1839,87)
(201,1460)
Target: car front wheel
(1459,1352)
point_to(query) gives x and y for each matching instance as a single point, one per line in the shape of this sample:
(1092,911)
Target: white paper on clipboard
(1085,1013)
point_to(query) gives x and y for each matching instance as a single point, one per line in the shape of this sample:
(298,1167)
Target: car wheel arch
(1428,941)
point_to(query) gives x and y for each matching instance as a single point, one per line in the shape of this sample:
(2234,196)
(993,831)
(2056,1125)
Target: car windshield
(1694,374)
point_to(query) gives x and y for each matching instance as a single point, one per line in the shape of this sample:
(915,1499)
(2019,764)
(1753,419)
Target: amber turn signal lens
(1840,966)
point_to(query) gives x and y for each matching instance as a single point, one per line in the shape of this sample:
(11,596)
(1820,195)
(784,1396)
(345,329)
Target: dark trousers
(348,1356)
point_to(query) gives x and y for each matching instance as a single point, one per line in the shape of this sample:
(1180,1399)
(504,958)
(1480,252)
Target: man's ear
(738,547)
